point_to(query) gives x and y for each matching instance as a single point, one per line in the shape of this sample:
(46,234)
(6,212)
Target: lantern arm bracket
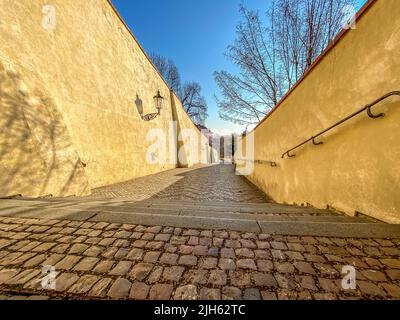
(150,116)
(158,100)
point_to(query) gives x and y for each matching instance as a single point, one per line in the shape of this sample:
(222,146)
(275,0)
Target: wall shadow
(36,155)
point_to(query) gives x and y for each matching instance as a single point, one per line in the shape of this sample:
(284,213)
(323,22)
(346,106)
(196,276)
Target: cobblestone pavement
(202,182)
(100,260)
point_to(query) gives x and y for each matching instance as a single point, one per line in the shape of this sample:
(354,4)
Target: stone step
(245,209)
(339,230)
(207,203)
(216,204)
(301,226)
(178,221)
(272,208)
(264,208)
(212,210)
(220,214)
(55,212)
(275,217)
(48,213)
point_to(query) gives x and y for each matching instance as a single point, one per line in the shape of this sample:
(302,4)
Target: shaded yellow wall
(188,136)
(358,167)
(69,122)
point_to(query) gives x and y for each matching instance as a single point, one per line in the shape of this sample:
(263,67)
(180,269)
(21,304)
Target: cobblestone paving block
(100,288)
(169,258)
(120,289)
(210,294)
(188,260)
(121,269)
(264,279)
(84,284)
(306,282)
(328,285)
(393,274)
(217,278)
(104,266)
(196,276)
(86,264)
(121,254)
(53,259)
(173,273)
(391,263)
(139,291)
(155,275)
(7,274)
(267,295)
(65,281)
(21,259)
(227,253)
(68,262)
(93,251)
(392,290)
(200,250)
(370,289)
(23,277)
(231,293)
(265,265)
(135,254)
(240,278)
(140,271)
(35,261)
(248,264)
(305,267)
(187,292)
(252,294)
(161,292)
(325,296)
(209,263)
(287,295)
(152,256)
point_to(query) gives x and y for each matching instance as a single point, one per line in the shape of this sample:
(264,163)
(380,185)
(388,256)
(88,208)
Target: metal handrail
(271,163)
(366,108)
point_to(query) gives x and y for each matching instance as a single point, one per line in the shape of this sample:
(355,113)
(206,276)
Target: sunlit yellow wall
(69,121)
(358,167)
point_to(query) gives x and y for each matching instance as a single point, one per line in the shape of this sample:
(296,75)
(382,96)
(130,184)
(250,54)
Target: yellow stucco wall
(69,122)
(193,146)
(358,167)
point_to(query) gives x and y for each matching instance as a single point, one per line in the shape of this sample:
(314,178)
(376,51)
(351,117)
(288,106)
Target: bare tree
(190,93)
(304,30)
(272,56)
(246,95)
(168,70)
(193,102)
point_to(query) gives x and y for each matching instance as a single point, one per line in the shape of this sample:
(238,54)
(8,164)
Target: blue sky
(194,33)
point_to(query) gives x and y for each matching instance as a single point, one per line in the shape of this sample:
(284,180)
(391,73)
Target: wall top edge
(114,9)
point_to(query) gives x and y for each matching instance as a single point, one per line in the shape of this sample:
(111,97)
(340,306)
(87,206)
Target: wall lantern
(158,102)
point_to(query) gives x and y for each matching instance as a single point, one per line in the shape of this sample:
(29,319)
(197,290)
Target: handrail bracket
(316,143)
(374,116)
